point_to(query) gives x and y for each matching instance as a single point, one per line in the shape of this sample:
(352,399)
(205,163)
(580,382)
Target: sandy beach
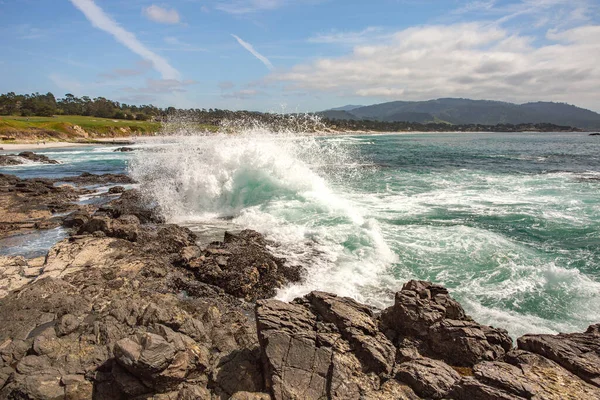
(52,145)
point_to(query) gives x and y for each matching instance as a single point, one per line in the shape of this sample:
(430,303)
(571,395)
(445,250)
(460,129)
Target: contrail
(104,22)
(255,53)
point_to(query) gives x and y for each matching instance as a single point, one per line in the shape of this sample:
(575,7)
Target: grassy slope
(67,127)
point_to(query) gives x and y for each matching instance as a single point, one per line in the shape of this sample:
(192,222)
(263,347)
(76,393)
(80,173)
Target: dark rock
(132,202)
(123,149)
(577,352)
(92,179)
(76,219)
(429,378)
(17,159)
(31,156)
(116,189)
(465,343)
(426,311)
(127,227)
(243,266)
(357,325)
(595,134)
(6,160)
(305,355)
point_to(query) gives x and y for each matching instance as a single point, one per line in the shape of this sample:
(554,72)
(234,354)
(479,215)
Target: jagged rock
(132,202)
(525,376)
(250,396)
(6,160)
(428,378)
(426,311)
(317,348)
(123,149)
(418,306)
(243,266)
(92,179)
(116,189)
(76,219)
(17,159)
(357,325)
(465,343)
(126,227)
(577,352)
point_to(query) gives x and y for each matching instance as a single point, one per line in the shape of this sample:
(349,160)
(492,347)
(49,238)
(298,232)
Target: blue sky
(302,55)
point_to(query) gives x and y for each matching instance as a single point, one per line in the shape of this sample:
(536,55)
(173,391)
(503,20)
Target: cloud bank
(475,60)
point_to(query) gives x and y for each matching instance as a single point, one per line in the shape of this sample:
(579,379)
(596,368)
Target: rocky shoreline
(129,307)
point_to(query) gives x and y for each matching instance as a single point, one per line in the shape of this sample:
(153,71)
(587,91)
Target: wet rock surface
(129,307)
(24,157)
(242,265)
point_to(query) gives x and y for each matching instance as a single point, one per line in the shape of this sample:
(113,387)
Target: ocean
(509,222)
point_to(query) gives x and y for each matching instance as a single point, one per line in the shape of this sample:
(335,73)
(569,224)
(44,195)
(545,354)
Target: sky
(302,55)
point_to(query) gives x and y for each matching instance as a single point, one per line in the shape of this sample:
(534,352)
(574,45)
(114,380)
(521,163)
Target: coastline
(36,146)
(129,305)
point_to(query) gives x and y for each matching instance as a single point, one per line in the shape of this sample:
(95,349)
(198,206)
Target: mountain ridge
(459,111)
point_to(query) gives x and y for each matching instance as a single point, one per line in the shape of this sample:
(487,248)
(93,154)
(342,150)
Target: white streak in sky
(255,53)
(104,22)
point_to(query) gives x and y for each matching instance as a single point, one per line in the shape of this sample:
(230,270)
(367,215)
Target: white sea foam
(298,191)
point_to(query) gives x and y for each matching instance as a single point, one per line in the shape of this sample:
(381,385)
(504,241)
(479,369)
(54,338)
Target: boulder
(243,266)
(577,352)
(432,379)
(427,312)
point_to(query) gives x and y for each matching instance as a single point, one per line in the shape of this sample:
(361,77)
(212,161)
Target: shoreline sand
(54,145)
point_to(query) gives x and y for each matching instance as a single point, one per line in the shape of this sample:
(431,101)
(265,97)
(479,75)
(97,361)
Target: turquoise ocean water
(509,222)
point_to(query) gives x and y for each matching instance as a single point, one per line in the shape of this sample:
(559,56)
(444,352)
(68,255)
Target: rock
(126,227)
(250,396)
(76,219)
(21,158)
(357,325)
(243,266)
(429,378)
(525,376)
(318,348)
(92,179)
(6,160)
(123,149)
(426,311)
(28,204)
(31,156)
(465,343)
(577,352)
(595,134)
(116,189)
(66,324)
(132,202)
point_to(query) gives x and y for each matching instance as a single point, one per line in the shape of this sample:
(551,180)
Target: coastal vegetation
(28,117)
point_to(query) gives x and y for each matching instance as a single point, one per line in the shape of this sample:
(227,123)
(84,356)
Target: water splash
(269,178)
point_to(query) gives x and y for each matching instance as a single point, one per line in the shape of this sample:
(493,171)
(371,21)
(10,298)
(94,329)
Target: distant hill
(349,107)
(465,111)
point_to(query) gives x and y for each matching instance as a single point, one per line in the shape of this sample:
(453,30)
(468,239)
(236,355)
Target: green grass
(65,122)
(65,128)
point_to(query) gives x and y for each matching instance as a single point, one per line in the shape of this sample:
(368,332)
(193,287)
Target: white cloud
(473,60)
(104,22)
(255,53)
(249,6)
(161,15)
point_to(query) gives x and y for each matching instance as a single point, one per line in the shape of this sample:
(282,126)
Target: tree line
(37,104)
(46,105)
